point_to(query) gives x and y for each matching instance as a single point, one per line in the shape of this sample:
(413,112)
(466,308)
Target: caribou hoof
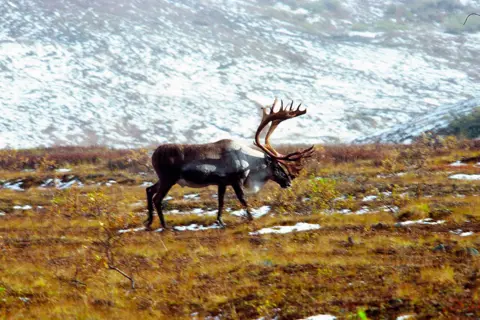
(148,224)
(221,224)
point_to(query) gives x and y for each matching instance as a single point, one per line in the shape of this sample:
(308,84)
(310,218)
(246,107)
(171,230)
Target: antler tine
(291,106)
(266,118)
(264,110)
(294,164)
(297,155)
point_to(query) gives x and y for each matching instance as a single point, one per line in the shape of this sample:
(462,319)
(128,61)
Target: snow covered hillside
(129,73)
(434,121)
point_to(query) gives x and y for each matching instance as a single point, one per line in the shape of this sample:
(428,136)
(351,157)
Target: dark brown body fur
(222,163)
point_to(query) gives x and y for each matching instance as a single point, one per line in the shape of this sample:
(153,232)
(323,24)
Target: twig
(471,14)
(111,263)
(166,249)
(75,280)
(78,282)
(132,281)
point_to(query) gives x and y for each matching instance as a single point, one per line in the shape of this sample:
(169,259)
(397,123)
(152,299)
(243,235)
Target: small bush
(343,153)
(414,212)
(73,202)
(438,275)
(439,211)
(322,193)
(390,164)
(465,127)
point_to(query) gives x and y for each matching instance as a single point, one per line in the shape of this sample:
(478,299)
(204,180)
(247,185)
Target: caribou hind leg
(162,191)
(151,191)
(221,195)
(241,197)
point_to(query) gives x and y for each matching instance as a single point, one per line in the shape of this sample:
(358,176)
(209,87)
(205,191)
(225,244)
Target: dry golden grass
(65,260)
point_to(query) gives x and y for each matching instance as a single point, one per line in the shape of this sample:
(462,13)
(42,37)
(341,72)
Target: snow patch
(62,170)
(256,213)
(457,164)
(16,186)
(61,185)
(191,196)
(66,185)
(369,198)
(365,34)
(109,183)
(461,233)
(197,211)
(398,174)
(462,176)
(363,210)
(286,8)
(300,226)
(25,207)
(393,209)
(196,227)
(321,317)
(428,221)
(131,230)
(138,229)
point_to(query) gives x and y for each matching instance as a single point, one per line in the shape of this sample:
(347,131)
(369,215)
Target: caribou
(226,163)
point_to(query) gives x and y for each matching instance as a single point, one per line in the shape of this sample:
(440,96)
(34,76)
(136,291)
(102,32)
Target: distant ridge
(435,121)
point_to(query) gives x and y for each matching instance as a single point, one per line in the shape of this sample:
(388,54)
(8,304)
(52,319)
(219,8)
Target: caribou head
(226,163)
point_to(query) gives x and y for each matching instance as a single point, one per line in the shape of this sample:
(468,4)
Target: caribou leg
(163,189)
(241,197)
(150,193)
(221,195)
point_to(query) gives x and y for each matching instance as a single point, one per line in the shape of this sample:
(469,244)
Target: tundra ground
(398,235)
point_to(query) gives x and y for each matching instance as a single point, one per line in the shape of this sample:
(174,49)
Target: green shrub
(414,212)
(322,193)
(466,127)
(73,202)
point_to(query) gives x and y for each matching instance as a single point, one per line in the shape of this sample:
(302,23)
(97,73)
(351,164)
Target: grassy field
(397,236)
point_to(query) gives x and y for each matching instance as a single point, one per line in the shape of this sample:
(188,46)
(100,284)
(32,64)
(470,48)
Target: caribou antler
(275,118)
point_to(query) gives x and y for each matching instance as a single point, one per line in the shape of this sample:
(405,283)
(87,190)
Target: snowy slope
(131,73)
(433,121)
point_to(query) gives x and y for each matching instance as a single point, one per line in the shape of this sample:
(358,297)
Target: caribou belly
(186,183)
(198,175)
(234,166)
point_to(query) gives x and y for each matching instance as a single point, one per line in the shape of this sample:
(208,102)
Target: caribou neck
(258,173)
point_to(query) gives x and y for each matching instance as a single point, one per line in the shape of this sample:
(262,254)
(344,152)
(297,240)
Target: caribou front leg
(241,197)
(221,195)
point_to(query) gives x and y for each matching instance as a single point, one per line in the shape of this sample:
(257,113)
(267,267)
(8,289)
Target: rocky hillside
(129,73)
(449,119)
